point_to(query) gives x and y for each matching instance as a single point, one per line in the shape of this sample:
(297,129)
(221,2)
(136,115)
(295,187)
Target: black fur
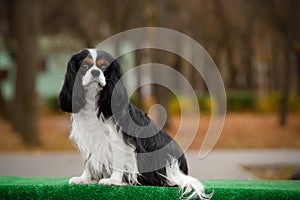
(114,103)
(71,98)
(114,96)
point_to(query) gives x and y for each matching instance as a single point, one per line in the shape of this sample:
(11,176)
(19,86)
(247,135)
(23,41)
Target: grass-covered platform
(22,188)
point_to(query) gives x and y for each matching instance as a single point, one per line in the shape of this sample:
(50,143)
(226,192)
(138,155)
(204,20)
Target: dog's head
(88,68)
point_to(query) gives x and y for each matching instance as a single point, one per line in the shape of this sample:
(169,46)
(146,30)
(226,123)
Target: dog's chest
(101,144)
(93,135)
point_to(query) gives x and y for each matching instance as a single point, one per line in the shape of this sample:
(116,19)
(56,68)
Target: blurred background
(254,43)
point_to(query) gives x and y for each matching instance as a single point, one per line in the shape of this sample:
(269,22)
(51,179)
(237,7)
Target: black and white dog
(119,143)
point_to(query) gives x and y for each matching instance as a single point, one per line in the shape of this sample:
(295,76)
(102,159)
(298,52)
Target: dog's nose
(95,73)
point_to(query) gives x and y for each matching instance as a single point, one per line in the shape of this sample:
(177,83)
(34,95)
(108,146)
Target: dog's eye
(85,67)
(103,67)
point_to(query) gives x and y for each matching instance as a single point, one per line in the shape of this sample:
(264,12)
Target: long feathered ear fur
(113,86)
(71,98)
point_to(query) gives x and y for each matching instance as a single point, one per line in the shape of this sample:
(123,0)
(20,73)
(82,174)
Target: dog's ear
(119,96)
(114,93)
(71,98)
(115,71)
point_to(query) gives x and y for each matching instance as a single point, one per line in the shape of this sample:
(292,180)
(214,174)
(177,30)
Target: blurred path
(228,164)
(220,164)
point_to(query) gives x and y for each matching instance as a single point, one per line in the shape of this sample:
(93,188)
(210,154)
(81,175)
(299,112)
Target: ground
(241,130)
(273,172)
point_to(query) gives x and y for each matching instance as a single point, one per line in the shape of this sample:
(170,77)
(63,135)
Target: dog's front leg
(85,178)
(115,179)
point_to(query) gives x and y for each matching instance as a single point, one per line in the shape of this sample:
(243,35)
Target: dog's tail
(190,187)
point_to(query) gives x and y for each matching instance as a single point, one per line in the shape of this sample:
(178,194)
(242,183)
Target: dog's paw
(80,180)
(111,181)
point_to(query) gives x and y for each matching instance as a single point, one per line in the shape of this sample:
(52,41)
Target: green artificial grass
(12,187)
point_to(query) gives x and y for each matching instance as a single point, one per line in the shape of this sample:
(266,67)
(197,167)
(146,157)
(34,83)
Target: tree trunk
(3,104)
(138,22)
(139,97)
(25,103)
(286,86)
(249,85)
(298,72)
(161,94)
(232,70)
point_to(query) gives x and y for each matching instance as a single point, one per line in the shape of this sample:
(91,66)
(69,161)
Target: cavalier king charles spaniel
(119,143)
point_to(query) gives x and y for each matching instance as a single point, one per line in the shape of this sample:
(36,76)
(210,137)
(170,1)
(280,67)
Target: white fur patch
(102,146)
(93,54)
(186,183)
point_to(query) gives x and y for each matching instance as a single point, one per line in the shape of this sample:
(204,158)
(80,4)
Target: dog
(119,143)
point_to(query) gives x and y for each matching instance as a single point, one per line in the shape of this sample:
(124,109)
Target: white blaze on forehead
(88,77)
(93,53)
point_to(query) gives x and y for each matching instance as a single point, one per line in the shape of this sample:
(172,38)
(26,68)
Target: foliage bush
(174,107)
(52,103)
(241,101)
(237,101)
(204,102)
(271,103)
